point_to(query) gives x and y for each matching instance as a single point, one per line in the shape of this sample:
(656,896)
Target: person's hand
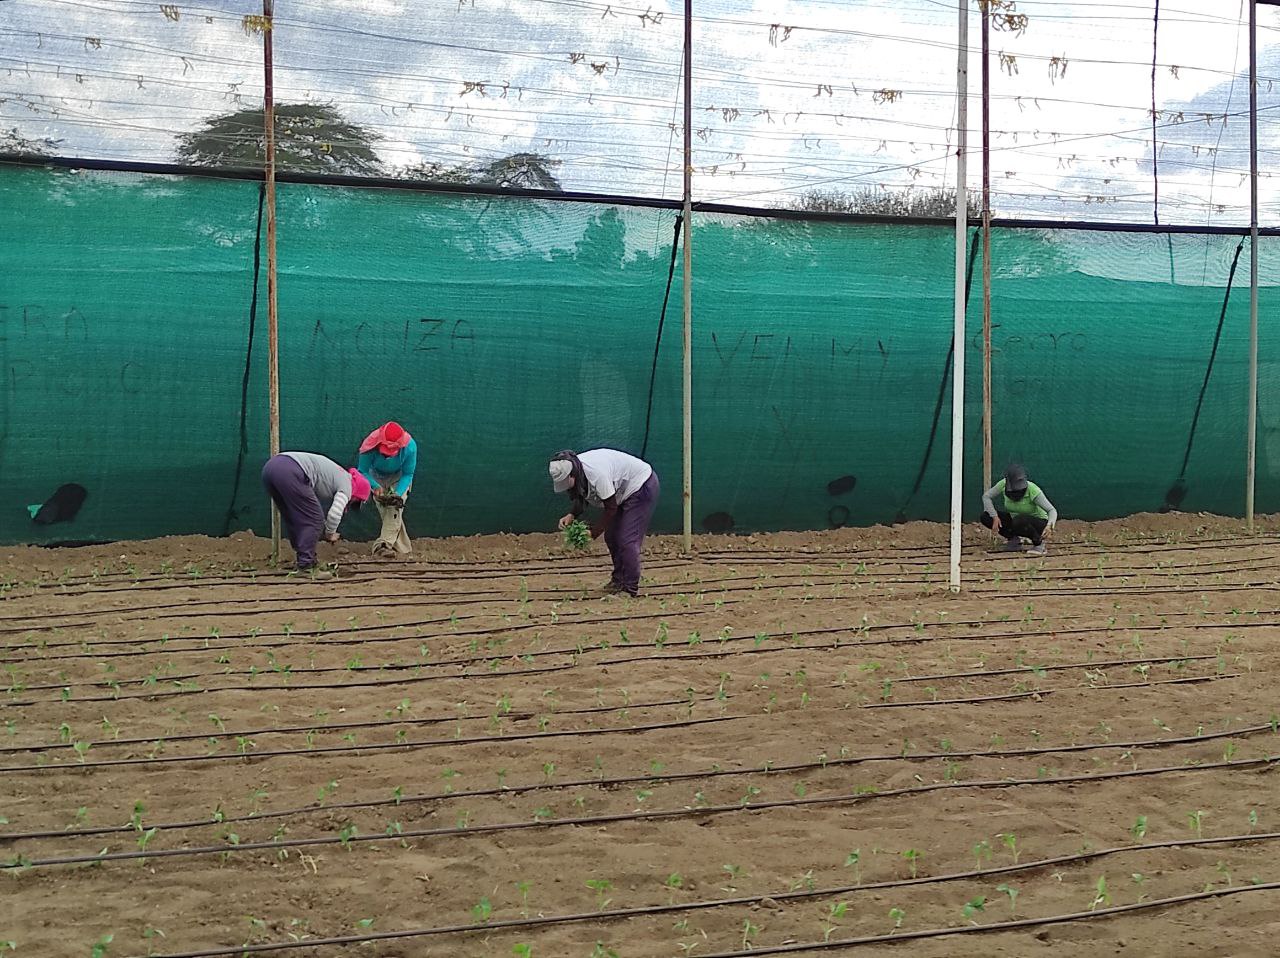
(1048,531)
(331,537)
(995,524)
(565,521)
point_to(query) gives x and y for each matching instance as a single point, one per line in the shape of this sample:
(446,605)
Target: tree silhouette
(13,143)
(528,171)
(310,138)
(910,202)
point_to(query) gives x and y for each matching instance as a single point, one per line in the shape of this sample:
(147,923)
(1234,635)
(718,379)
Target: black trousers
(1018,527)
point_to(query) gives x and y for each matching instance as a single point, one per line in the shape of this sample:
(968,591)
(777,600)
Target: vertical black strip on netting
(657,344)
(942,386)
(248,366)
(1155,152)
(1178,491)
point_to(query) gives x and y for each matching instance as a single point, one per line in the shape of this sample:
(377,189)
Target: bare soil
(788,740)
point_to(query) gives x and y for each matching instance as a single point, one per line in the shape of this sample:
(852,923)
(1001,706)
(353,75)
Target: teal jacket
(378,469)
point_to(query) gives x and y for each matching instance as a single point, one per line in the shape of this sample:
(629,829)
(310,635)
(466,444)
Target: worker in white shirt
(626,488)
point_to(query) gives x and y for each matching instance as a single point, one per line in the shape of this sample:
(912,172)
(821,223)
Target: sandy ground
(790,738)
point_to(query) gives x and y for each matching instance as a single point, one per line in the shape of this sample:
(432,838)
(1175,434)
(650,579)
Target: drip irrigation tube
(1010,925)
(704,811)
(768,769)
(576,652)
(248,757)
(543,921)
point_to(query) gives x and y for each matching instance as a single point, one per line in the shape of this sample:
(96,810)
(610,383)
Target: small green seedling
(1139,829)
(896,915)
(1013,897)
(345,836)
(982,850)
(913,857)
(836,913)
(99,949)
(1100,894)
(973,906)
(853,860)
(1195,821)
(601,887)
(481,911)
(1010,842)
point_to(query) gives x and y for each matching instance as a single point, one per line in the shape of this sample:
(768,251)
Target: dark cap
(1015,478)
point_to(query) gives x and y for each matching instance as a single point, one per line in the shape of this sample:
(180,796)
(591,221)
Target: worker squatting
(313,493)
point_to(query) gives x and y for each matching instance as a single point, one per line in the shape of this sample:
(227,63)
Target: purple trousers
(625,537)
(288,486)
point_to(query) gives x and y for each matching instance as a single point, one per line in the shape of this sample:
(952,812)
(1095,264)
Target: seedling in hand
(577,535)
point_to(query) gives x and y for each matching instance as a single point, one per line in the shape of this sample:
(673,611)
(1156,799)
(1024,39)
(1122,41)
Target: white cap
(561,474)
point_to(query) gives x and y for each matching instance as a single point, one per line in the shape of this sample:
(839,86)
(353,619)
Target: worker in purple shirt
(626,488)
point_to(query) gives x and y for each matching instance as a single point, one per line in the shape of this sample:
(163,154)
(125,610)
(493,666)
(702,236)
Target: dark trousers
(290,489)
(625,537)
(1019,527)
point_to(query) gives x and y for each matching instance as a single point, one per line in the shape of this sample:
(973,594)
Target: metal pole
(1253,266)
(273,331)
(962,223)
(986,246)
(687,439)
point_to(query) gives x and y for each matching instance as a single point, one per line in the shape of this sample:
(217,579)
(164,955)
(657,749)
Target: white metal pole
(687,437)
(1253,266)
(962,224)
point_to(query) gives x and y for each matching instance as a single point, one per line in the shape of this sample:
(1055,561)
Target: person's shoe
(1013,545)
(1037,550)
(613,588)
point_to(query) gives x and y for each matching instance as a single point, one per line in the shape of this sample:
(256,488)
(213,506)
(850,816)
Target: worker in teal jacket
(388,459)
(1016,508)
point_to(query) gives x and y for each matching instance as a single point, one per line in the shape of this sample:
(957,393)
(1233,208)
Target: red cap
(392,439)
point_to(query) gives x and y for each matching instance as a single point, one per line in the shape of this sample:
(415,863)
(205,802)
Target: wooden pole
(1252,442)
(958,343)
(687,437)
(986,247)
(273,329)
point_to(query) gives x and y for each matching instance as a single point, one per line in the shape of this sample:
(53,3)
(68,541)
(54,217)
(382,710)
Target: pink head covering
(389,438)
(360,488)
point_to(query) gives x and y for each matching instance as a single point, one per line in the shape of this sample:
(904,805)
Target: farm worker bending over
(1016,508)
(312,493)
(627,489)
(388,458)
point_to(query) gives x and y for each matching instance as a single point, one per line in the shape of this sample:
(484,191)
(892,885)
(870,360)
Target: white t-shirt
(613,473)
